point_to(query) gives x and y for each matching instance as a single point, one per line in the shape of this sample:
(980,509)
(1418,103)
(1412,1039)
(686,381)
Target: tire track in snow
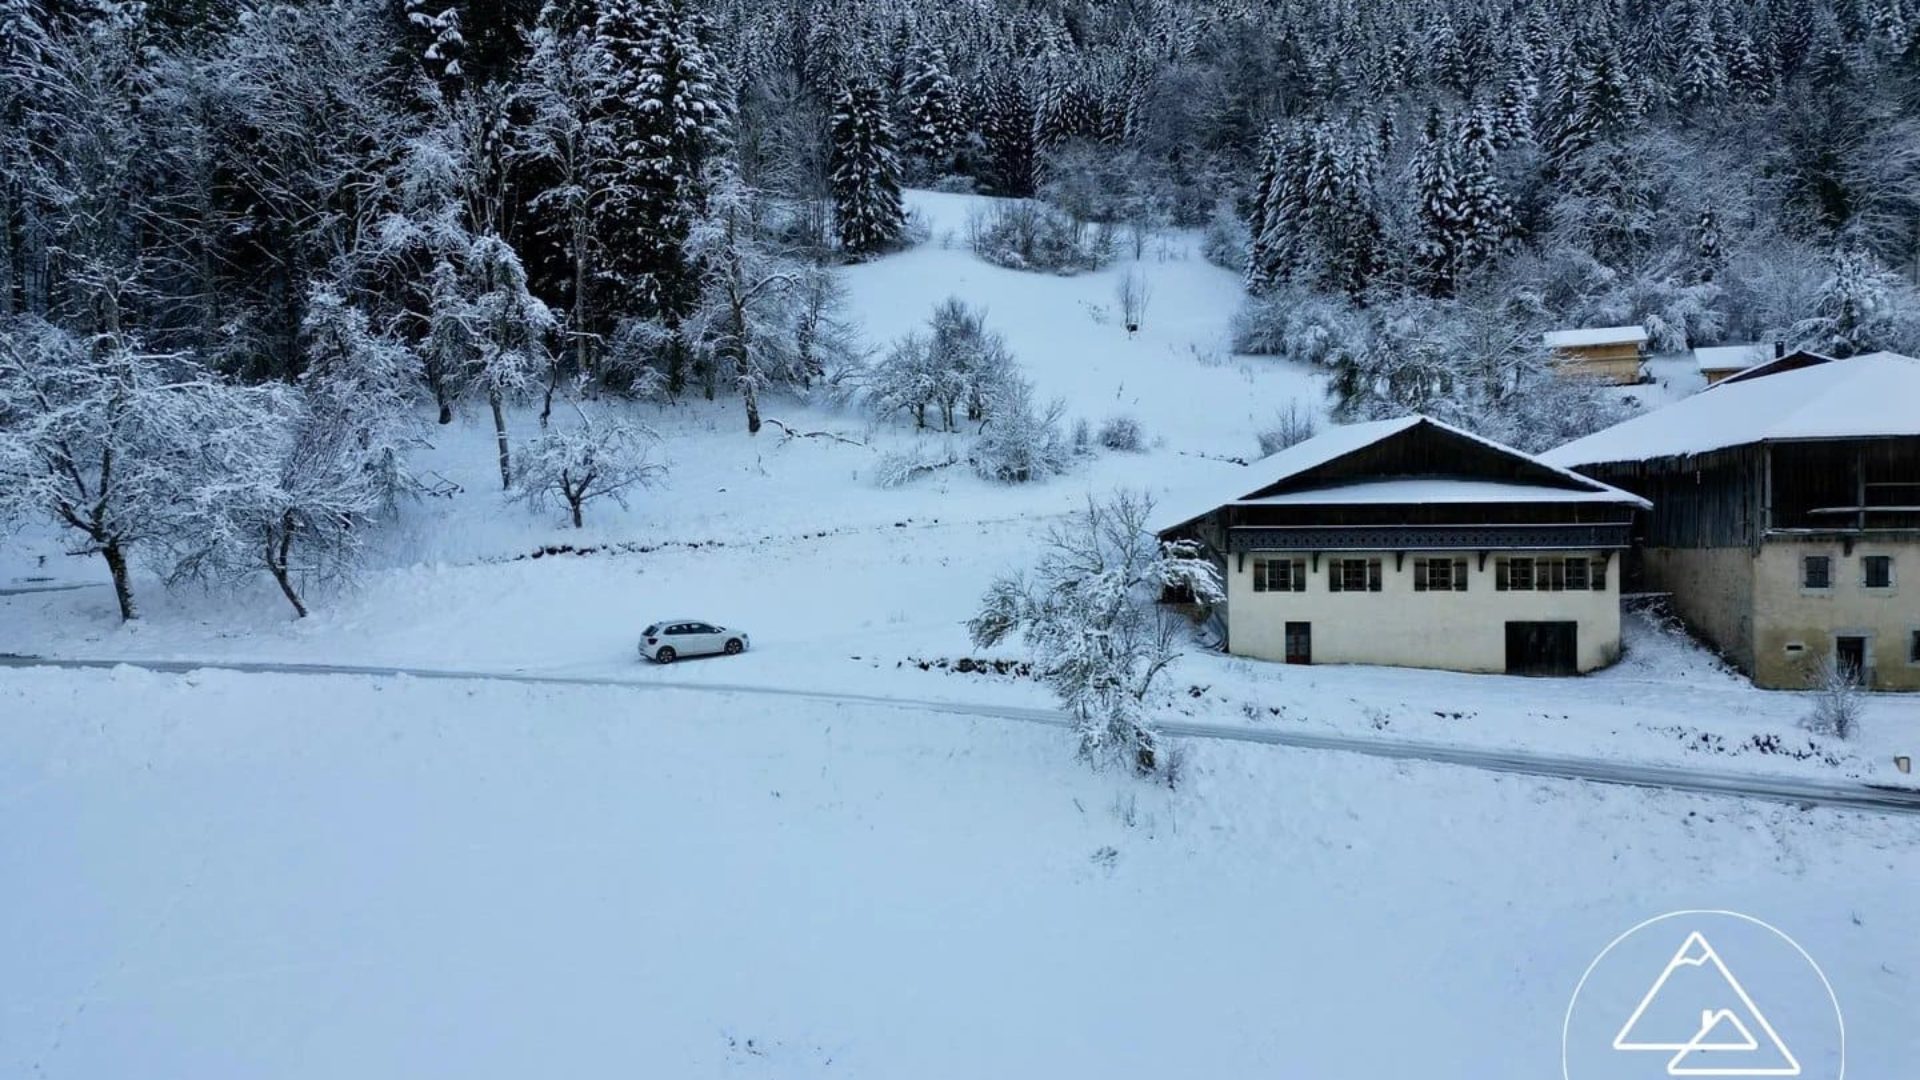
(1781,789)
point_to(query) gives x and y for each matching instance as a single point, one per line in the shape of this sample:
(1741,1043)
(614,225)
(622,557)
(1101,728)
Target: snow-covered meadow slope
(845,584)
(248,876)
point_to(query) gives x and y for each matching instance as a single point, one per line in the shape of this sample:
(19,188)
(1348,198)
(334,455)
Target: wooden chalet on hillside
(1613,354)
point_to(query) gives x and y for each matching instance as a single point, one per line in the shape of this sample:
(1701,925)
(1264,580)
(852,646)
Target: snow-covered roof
(1595,335)
(1435,489)
(1864,397)
(1731,357)
(1338,442)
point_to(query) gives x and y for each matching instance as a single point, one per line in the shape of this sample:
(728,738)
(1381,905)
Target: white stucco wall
(1459,631)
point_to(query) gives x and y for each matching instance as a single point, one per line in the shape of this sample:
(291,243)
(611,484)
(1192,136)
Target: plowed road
(1802,792)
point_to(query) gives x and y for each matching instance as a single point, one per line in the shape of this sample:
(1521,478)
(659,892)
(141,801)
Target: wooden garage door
(1543,648)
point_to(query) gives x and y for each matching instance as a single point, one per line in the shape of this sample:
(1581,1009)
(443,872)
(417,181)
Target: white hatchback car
(669,640)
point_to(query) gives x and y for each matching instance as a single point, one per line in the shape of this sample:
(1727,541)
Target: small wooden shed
(1609,353)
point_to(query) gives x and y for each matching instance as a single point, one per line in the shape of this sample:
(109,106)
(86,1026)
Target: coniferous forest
(248,250)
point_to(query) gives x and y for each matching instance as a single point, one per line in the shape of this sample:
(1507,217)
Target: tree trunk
(500,436)
(753,406)
(122,585)
(278,548)
(574,504)
(553,384)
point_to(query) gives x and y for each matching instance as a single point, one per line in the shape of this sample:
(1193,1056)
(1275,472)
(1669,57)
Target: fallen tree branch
(790,433)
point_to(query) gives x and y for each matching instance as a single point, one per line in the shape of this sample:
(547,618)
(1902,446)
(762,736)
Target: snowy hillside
(845,584)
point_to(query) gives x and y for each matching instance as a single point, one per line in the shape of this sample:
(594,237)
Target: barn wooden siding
(1735,497)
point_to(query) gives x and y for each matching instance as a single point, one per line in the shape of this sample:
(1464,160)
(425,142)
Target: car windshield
(651,630)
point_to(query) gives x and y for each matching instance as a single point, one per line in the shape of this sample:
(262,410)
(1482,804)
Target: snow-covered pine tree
(1487,215)
(1708,258)
(1748,77)
(672,118)
(571,142)
(1599,101)
(931,127)
(1441,207)
(1702,75)
(1009,134)
(866,171)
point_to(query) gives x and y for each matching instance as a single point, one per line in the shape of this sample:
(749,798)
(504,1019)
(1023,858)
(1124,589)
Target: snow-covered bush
(900,467)
(1020,442)
(1311,327)
(1088,613)
(1224,243)
(1022,234)
(1295,424)
(1837,699)
(1123,433)
(593,459)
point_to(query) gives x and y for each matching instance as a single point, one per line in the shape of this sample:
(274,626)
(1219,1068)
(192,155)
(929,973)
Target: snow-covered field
(248,876)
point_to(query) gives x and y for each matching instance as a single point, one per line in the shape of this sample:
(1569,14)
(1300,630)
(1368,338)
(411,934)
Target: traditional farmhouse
(1786,514)
(1719,361)
(1414,543)
(1607,353)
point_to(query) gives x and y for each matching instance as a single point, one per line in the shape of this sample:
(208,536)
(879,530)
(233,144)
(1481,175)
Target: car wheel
(665,655)
(734,646)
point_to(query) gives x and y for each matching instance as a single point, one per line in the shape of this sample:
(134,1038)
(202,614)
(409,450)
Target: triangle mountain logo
(1699,1013)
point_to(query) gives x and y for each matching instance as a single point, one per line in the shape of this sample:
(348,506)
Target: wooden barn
(1611,354)
(1785,514)
(1413,543)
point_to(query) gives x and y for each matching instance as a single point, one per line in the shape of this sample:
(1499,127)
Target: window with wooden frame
(1514,574)
(1279,575)
(1522,573)
(1577,578)
(1439,575)
(1816,572)
(1353,575)
(1876,571)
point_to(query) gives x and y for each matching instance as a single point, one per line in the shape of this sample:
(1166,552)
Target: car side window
(677,628)
(704,628)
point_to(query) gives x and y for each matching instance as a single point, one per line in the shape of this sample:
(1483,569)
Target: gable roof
(1863,397)
(1255,486)
(1595,335)
(1793,361)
